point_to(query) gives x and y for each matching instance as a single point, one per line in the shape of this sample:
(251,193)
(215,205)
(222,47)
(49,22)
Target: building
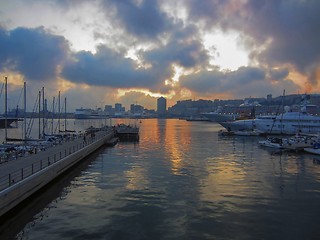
(161,106)
(118,107)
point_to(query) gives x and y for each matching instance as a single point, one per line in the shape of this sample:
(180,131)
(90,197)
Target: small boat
(314,150)
(297,142)
(272,142)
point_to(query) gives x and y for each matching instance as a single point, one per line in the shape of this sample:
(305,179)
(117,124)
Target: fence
(27,171)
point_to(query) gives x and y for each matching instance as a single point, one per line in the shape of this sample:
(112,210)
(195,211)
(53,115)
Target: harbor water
(180,181)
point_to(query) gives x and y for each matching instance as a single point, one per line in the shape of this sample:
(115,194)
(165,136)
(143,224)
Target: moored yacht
(286,123)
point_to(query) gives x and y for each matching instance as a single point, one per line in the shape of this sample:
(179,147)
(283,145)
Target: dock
(127,132)
(22,177)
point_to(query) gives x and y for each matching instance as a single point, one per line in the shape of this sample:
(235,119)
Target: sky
(101,52)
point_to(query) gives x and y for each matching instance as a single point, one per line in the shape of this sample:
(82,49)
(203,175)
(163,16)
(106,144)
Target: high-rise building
(118,107)
(162,106)
(109,109)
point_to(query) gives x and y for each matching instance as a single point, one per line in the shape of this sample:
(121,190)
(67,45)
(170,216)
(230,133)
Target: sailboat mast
(39,114)
(43,112)
(25,109)
(282,103)
(59,112)
(65,114)
(6,107)
(52,115)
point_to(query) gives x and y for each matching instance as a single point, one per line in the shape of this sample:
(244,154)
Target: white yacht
(286,123)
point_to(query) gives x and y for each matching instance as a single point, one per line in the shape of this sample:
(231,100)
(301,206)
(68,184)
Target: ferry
(88,113)
(218,116)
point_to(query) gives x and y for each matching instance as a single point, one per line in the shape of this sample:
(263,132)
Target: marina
(161,120)
(183,181)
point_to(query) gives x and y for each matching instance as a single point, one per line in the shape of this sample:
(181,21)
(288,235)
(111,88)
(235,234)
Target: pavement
(14,170)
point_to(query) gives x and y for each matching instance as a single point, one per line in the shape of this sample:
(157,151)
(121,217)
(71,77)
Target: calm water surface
(181,181)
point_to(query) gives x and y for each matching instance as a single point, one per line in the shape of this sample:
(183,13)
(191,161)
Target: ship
(88,113)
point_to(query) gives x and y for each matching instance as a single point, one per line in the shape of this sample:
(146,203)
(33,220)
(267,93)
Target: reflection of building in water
(177,145)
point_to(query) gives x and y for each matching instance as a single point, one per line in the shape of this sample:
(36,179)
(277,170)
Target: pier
(22,177)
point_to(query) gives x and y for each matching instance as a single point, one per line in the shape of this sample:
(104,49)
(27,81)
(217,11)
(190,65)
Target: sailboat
(6,121)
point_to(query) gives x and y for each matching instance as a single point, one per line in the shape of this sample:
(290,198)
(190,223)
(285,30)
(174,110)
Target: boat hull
(289,123)
(312,150)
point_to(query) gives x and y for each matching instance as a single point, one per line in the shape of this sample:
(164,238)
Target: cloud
(182,48)
(279,74)
(278,32)
(281,35)
(246,81)
(32,52)
(294,30)
(143,19)
(109,68)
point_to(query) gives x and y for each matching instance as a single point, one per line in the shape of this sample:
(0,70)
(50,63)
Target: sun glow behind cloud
(225,50)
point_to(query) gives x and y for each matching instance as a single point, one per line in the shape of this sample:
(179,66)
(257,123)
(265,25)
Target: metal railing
(16,176)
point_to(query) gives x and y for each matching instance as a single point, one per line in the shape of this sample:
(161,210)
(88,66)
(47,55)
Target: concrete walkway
(21,177)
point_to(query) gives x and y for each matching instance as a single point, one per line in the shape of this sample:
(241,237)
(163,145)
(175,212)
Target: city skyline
(134,51)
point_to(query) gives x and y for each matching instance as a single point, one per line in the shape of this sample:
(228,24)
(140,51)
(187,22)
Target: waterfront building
(161,106)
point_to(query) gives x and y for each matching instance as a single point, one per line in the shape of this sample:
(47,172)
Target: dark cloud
(246,75)
(279,74)
(111,69)
(246,81)
(203,82)
(144,20)
(32,52)
(211,11)
(217,81)
(293,27)
(182,49)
